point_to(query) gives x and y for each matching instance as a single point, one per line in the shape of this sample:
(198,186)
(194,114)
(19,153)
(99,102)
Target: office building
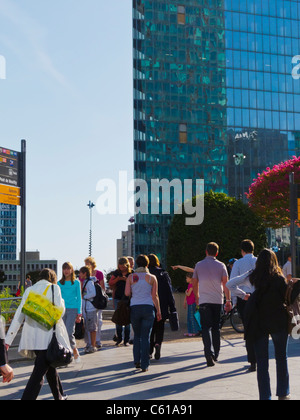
(216,95)
(34,265)
(8,232)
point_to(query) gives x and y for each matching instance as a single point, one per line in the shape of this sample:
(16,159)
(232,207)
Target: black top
(3,354)
(166,298)
(120,285)
(265,312)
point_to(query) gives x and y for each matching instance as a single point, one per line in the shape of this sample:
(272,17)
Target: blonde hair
(91,261)
(124,261)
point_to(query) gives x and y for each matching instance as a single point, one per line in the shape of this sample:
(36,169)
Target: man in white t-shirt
(287,269)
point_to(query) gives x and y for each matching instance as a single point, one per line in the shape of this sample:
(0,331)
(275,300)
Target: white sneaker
(77,360)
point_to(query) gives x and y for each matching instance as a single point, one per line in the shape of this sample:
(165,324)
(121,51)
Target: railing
(8,307)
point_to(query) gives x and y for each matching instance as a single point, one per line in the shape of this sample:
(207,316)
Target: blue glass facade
(8,232)
(263,99)
(214,96)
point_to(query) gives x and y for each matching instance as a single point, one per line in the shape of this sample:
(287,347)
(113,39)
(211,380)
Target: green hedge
(227,222)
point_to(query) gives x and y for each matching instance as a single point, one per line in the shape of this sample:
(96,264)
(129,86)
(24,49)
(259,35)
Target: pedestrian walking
(240,286)
(266,315)
(166,301)
(209,281)
(143,289)
(190,303)
(117,282)
(71,293)
(287,268)
(99,278)
(89,311)
(35,339)
(6,371)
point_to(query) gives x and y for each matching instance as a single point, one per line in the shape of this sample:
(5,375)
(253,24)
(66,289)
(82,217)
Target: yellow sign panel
(6,189)
(10,199)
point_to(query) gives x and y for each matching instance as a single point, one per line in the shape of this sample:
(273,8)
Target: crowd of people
(256,285)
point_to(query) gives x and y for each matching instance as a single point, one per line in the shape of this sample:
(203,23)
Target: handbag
(293,311)
(57,354)
(198,319)
(79,330)
(41,309)
(174,321)
(121,315)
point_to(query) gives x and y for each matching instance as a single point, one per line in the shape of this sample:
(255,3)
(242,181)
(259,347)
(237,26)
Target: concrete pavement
(180,375)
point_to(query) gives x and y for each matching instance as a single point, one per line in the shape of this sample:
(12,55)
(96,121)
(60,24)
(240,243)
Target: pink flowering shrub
(269,194)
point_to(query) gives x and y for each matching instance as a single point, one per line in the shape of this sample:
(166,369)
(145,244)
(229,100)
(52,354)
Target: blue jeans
(142,318)
(261,347)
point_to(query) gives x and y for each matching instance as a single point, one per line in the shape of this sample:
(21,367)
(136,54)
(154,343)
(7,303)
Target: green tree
(227,222)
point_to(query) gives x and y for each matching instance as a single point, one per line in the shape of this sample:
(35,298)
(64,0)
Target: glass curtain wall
(263,99)
(179,102)
(8,232)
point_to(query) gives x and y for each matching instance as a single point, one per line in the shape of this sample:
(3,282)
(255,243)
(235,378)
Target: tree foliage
(226,222)
(269,193)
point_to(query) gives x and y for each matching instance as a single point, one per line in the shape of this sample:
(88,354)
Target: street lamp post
(90,206)
(239,161)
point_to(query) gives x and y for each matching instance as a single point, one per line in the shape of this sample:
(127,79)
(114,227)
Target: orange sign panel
(10,199)
(6,189)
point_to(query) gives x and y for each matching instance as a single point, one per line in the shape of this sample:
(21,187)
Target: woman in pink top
(190,302)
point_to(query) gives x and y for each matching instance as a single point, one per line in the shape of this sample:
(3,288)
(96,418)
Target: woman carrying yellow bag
(36,337)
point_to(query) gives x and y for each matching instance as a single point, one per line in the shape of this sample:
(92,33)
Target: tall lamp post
(239,161)
(90,206)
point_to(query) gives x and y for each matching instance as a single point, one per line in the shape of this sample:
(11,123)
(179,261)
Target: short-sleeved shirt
(209,273)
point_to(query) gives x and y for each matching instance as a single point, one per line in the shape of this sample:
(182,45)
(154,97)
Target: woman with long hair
(71,293)
(142,288)
(266,315)
(118,282)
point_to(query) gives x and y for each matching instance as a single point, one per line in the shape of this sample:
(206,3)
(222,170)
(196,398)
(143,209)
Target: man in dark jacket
(167,304)
(5,370)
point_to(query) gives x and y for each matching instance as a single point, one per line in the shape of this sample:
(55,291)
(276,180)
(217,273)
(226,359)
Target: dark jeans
(241,305)
(36,381)
(210,314)
(261,346)
(142,317)
(119,328)
(157,334)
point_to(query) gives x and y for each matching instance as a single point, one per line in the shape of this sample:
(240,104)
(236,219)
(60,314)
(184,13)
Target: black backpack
(101,299)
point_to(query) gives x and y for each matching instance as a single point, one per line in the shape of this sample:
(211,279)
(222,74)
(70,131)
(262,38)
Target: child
(190,302)
(89,311)
(71,294)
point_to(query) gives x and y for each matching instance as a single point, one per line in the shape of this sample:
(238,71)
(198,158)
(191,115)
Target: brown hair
(63,279)
(142,261)
(212,249)
(266,269)
(86,270)
(153,260)
(247,246)
(49,275)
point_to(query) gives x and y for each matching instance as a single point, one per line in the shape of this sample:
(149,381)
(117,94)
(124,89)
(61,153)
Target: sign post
(22,180)
(294,217)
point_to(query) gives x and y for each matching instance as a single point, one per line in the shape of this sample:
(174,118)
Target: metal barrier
(9,309)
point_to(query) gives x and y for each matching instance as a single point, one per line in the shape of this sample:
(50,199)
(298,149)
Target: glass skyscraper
(215,95)
(8,232)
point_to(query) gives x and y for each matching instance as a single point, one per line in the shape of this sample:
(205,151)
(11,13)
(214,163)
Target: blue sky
(68,92)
